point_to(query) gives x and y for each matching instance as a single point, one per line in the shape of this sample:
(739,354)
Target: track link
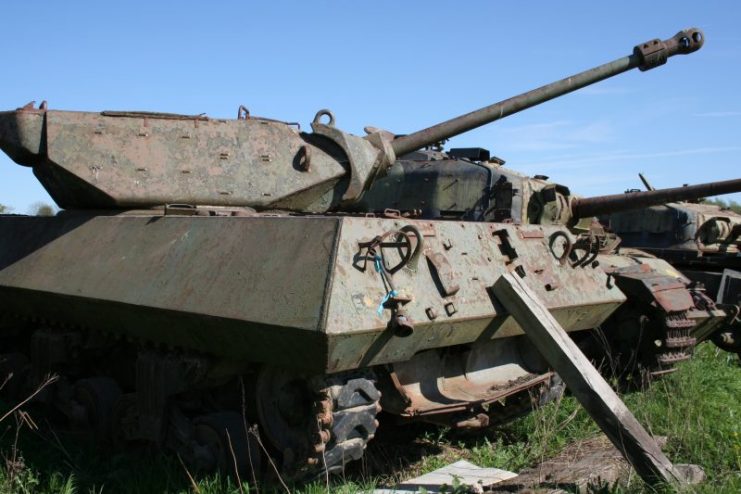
(346,410)
(676,345)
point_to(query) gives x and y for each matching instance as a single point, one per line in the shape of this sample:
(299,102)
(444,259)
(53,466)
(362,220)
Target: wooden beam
(585,382)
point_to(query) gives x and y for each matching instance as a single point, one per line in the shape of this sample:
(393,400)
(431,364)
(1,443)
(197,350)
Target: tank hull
(286,290)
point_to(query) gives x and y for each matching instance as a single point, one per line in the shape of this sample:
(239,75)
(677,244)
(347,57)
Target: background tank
(205,269)
(702,240)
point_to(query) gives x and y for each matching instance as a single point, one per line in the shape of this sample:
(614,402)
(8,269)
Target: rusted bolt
(431,313)
(450,308)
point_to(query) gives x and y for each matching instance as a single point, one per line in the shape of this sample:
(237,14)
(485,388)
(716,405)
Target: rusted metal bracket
(650,286)
(366,157)
(442,273)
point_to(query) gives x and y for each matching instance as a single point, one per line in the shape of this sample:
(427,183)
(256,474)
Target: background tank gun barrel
(594,206)
(645,56)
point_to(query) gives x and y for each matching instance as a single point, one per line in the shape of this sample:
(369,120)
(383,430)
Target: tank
(214,281)
(702,240)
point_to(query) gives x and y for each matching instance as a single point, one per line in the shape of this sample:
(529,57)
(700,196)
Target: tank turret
(124,160)
(468,184)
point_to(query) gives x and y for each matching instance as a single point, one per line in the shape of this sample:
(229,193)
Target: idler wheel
(229,447)
(98,397)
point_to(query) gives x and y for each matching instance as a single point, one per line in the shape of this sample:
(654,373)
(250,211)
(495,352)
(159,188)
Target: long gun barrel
(644,57)
(594,206)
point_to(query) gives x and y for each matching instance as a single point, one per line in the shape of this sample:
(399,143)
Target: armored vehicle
(206,275)
(700,239)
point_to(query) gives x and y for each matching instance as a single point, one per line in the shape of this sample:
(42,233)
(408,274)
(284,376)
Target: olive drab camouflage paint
(317,278)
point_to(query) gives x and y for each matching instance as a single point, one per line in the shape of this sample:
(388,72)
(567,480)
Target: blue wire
(385,299)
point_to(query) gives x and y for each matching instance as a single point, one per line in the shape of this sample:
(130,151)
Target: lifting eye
(324,113)
(713,231)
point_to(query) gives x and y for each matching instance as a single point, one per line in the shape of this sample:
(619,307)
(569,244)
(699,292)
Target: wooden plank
(585,382)
(443,479)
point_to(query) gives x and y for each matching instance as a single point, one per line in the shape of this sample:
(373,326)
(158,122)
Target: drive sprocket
(317,424)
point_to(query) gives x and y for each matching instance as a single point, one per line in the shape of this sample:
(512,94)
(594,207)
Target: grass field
(698,408)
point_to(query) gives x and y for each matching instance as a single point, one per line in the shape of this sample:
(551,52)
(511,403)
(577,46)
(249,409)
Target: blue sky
(400,66)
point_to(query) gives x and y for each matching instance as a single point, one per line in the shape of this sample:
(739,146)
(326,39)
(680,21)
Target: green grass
(698,408)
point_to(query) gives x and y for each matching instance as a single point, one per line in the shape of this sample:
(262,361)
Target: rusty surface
(670,293)
(595,206)
(580,300)
(701,240)
(434,382)
(218,162)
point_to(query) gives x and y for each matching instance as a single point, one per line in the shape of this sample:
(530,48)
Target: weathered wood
(584,466)
(585,382)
